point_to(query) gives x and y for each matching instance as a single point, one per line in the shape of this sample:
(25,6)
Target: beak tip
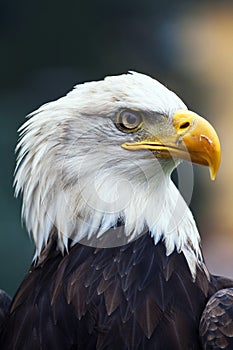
(213,168)
(212,175)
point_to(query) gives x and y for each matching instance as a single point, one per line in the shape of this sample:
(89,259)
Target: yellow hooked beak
(193,139)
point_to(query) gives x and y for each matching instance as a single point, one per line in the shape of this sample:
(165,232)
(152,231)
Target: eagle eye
(129,120)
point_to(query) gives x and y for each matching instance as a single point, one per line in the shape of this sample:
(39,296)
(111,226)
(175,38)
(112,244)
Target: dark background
(49,46)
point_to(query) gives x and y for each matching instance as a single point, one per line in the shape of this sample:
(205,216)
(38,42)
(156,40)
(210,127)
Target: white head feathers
(78,181)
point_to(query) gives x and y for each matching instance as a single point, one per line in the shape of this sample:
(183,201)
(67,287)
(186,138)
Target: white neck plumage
(84,207)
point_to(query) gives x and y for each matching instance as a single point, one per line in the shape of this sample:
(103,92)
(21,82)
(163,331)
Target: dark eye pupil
(131,119)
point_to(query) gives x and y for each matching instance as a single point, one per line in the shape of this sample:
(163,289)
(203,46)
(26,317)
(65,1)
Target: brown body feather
(216,326)
(129,298)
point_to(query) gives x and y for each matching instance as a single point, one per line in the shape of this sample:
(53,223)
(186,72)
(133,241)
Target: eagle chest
(130,297)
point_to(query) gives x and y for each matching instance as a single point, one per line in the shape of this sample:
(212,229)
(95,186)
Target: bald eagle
(118,263)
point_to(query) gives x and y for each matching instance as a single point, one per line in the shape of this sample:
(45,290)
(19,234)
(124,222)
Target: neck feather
(85,211)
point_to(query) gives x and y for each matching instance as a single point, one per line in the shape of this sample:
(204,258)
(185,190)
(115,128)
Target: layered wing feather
(216,326)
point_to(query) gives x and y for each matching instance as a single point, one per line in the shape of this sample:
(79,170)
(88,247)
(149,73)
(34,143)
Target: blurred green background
(49,46)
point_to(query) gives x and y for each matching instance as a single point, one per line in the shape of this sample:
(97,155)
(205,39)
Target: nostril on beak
(183,121)
(184,125)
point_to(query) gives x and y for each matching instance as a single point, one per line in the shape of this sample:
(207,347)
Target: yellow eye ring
(129,120)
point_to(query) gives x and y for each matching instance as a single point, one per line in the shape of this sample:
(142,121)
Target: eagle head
(94,166)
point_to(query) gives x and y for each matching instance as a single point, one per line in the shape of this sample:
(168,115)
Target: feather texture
(216,327)
(84,301)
